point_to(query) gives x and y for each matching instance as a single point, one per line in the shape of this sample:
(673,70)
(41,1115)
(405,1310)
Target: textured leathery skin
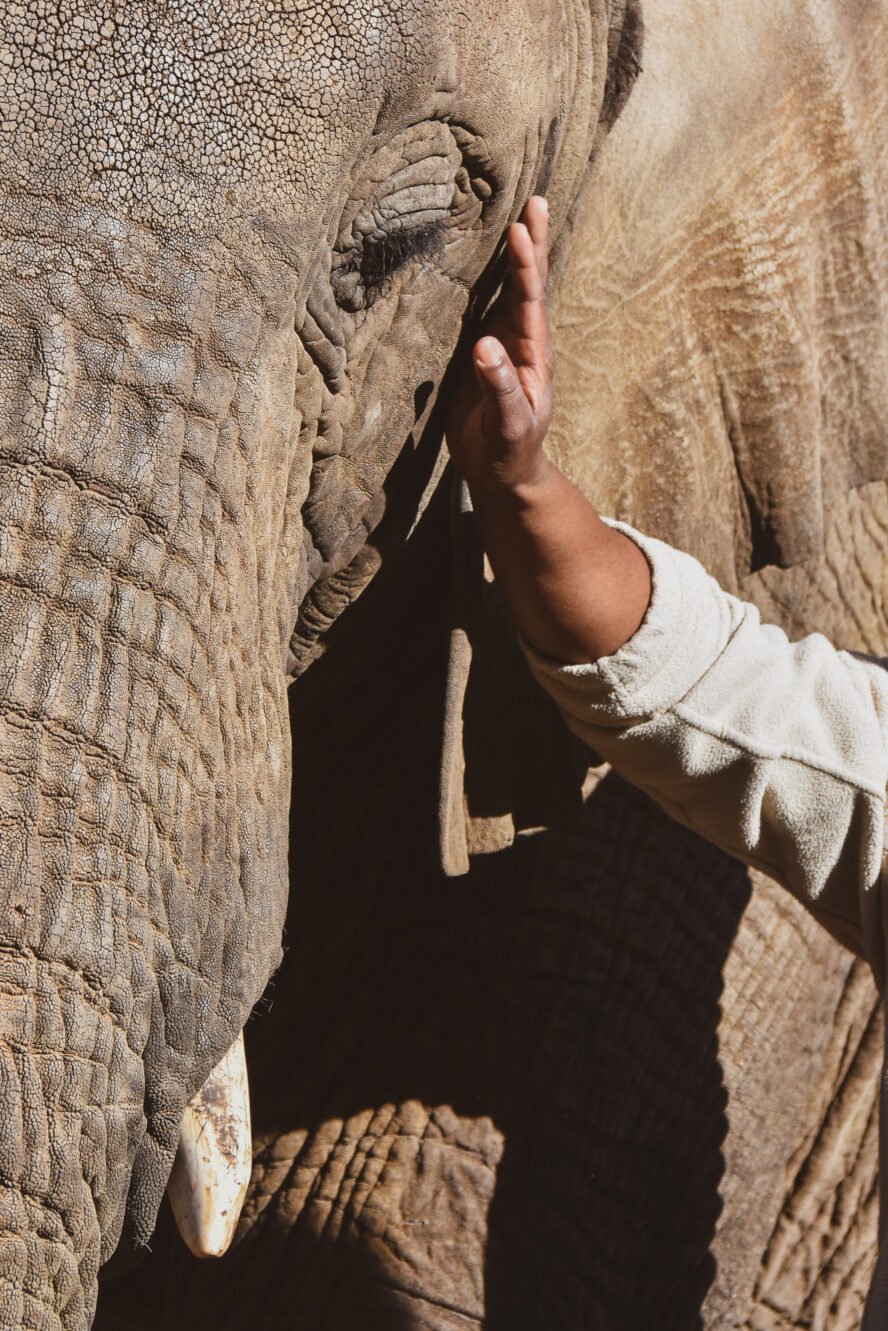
(144,757)
(382,1127)
(427,1160)
(206,409)
(566,1091)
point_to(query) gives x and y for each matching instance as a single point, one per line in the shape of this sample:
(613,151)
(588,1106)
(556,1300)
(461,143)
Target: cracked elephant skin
(239,245)
(601,1082)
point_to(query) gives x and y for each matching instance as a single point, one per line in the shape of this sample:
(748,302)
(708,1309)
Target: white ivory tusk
(212,1166)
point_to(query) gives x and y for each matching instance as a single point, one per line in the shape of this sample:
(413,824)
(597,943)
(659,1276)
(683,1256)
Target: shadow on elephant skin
(492,1100)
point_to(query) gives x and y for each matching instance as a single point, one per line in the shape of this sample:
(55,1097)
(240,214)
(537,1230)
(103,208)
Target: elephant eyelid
(382,256)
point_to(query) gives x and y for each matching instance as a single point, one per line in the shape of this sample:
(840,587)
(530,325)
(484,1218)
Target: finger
(536,218)
(527,300)
(509,414)
(524,265)
(537,222)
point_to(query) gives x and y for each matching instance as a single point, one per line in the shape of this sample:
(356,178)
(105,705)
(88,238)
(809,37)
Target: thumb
(508,411)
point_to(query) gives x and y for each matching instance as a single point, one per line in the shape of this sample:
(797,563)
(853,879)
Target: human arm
(777,752)
(539,531)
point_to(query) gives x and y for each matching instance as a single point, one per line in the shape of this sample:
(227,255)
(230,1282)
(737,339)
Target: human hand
(495,434)
(577,588)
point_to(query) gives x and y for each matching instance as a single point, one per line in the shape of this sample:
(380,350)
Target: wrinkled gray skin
(238,247)
(497,1099)
(559,1092)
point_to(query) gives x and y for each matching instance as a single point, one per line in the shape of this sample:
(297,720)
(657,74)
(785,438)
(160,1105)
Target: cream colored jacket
(776,751)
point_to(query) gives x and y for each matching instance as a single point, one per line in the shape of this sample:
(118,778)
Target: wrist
(517,490)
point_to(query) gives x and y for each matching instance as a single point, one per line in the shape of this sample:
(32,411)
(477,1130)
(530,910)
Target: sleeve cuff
(688,622)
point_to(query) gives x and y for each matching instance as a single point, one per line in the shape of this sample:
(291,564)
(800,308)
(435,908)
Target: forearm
(578,589)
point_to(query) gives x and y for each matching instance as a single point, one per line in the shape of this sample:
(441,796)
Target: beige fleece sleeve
(776,751)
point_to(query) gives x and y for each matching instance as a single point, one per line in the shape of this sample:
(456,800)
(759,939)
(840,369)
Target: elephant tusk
(211,1171)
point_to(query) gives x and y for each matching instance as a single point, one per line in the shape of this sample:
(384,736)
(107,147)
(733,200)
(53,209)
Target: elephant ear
(510,764)
(625,39)
(592,99)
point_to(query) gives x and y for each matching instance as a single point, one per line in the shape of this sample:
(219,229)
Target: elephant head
(240,245)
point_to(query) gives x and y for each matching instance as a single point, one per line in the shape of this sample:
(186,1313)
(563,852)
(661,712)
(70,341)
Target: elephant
(240,246)
(511,1069)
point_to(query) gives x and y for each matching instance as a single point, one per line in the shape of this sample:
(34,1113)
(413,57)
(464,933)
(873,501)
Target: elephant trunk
(144,744)
(121,974)
(61,1144)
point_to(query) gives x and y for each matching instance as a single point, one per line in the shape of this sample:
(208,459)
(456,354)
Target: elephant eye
(416,205)
(367,274)
(382,257)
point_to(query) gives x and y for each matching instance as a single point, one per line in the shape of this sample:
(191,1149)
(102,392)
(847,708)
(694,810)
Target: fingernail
(489,353)
(545,203)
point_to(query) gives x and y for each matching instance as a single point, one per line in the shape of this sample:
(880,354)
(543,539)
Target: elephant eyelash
(381,257)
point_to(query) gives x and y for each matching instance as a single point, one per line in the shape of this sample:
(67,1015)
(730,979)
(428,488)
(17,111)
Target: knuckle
(508,385)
